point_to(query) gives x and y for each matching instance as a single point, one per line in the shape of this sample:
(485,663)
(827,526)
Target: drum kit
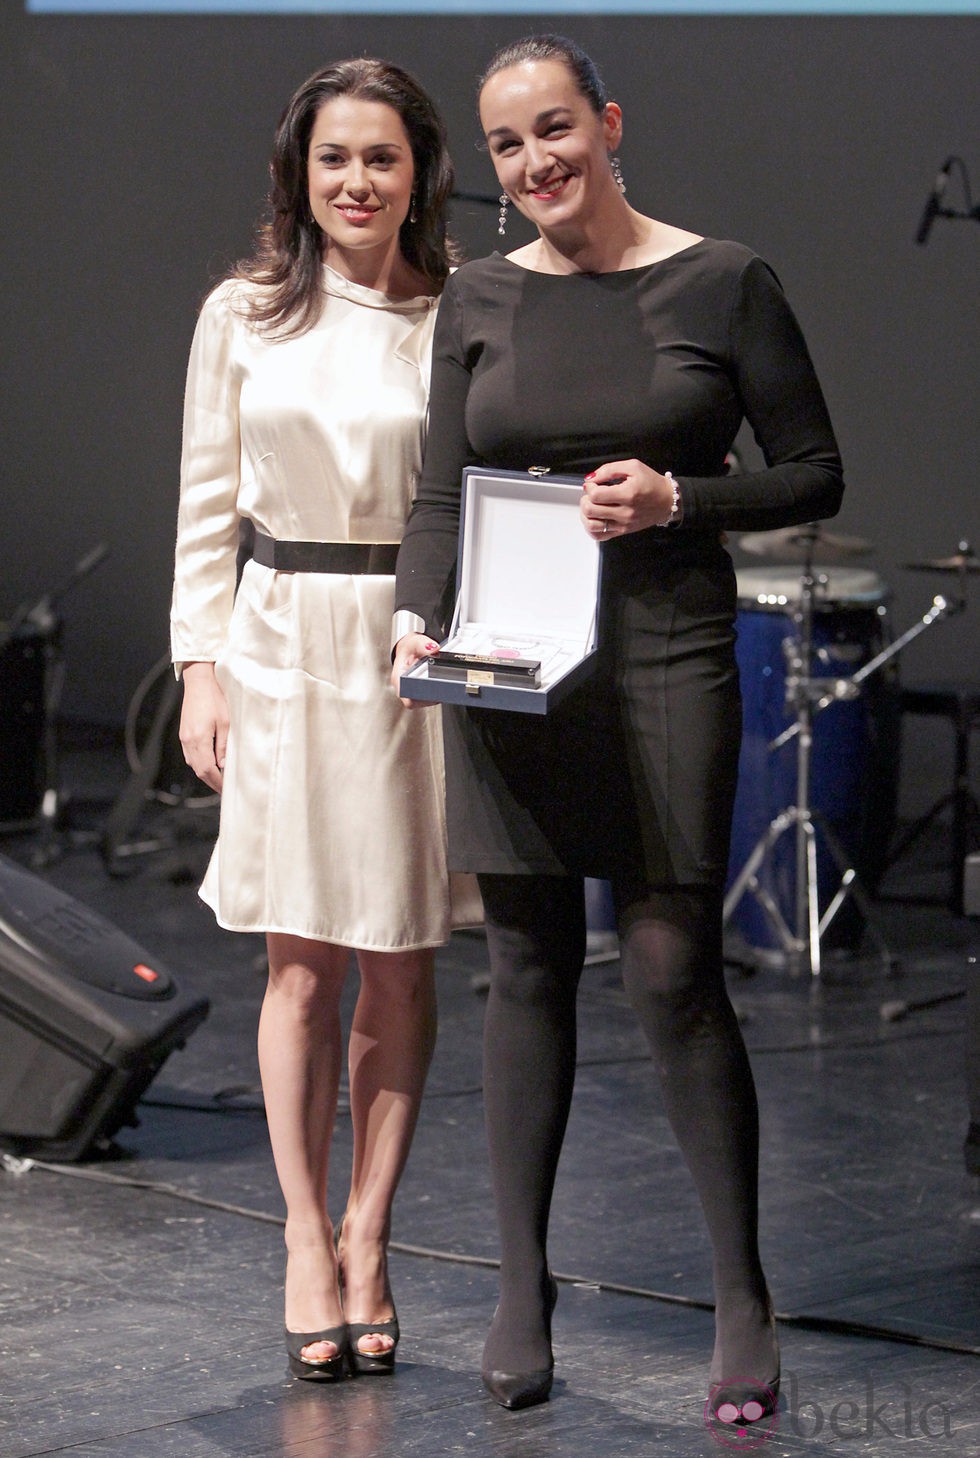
(799,847)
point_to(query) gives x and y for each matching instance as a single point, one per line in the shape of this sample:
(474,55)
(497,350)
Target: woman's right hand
(408,651)
(204,724)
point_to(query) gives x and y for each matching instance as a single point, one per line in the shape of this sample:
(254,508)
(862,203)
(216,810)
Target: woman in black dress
(629,351)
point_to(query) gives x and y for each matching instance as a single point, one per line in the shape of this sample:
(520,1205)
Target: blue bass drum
(854,761)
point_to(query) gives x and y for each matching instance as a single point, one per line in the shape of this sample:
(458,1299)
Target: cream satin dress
(332,814)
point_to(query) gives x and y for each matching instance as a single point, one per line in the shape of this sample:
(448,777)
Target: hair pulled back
(549,47)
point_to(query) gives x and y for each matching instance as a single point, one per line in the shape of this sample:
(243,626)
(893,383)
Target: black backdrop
(133,168)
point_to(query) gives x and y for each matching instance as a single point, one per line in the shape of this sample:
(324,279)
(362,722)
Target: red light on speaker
(147,973)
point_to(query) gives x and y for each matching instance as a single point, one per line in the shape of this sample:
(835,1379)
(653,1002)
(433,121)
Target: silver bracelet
(402,622)
(675,505)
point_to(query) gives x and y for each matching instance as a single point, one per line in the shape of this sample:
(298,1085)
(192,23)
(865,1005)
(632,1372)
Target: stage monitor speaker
(87,1018)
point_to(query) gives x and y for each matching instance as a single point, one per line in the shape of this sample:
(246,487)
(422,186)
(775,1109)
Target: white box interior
(530,573)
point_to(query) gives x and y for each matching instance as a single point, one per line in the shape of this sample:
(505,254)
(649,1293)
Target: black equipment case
(87,1018)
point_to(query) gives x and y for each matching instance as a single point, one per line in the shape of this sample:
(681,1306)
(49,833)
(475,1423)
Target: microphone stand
(41,614)
(934,208)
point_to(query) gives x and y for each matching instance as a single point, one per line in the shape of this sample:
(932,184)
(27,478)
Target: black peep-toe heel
(327,1369)
(367,1364)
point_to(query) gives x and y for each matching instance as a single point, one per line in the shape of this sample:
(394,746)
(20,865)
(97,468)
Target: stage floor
(140,1296)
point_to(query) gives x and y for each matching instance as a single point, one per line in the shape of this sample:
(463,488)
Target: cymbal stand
(808,696)
(834,689)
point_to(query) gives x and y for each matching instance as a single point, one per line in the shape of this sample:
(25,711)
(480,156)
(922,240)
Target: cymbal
(799,544)
(965,560)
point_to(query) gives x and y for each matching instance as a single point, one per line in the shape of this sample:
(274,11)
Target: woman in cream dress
(304,416)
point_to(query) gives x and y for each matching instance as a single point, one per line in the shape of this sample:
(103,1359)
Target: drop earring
(411,211)
(617,173)
(502,219)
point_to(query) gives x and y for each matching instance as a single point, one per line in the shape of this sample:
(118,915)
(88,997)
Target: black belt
(376,558)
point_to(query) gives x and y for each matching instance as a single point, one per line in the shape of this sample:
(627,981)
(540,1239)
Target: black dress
(633,776)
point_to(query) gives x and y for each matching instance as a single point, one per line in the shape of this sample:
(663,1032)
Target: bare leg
(300,1059)
(674,976)
(391,1044)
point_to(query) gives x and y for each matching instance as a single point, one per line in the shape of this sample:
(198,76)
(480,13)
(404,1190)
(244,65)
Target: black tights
(671,947)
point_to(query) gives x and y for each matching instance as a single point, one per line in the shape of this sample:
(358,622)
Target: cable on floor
(827,1324)
(230,1100)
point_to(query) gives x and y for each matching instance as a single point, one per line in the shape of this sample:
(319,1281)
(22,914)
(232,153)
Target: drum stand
(808,696)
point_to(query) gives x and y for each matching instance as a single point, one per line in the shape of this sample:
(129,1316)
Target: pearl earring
(617,173)
(502,219)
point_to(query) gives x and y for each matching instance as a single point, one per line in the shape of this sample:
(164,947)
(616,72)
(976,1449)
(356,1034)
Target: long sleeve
(783,403)
(661,363)
(425,581)
(208,518)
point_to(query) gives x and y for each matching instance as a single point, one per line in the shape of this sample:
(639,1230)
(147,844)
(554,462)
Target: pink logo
(741,1414)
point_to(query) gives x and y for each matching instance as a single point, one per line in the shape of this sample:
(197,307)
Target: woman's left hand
(624,496)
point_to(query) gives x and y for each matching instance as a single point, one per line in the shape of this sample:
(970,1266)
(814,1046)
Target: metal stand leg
(803,941)
(811,927)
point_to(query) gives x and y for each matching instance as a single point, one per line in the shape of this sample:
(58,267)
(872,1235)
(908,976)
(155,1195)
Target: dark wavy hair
(289,248)
(549,47)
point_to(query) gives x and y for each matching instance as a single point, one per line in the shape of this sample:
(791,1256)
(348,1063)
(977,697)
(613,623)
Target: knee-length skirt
(633,775)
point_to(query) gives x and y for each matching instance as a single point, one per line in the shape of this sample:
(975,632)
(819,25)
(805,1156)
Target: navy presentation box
(524,630)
